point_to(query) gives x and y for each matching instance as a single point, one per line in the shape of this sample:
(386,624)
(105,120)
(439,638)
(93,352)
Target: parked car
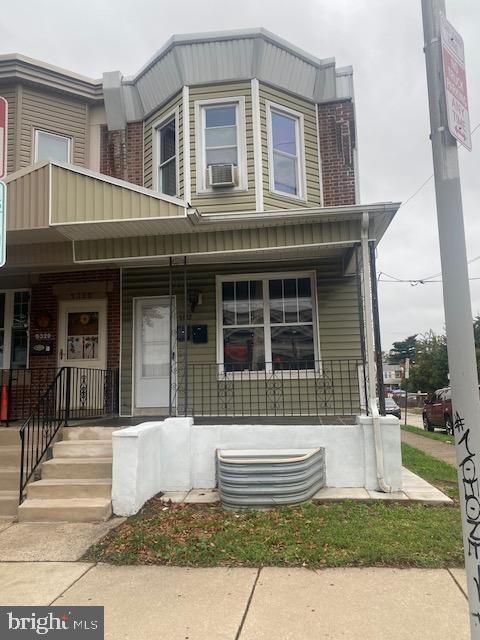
(392,408)
(437,411)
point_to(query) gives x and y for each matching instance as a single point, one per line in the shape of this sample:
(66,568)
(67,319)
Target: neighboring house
(392,375)
(193,231)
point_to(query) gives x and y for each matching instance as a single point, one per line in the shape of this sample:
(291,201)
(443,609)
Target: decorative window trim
(36,131)
(265,278)
(174,114)
(200,163)
(301,168)
(8,326)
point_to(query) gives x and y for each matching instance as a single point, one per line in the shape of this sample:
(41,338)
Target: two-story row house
(189,240)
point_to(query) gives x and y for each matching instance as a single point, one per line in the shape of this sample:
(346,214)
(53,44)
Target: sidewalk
(143,603)
(435,448)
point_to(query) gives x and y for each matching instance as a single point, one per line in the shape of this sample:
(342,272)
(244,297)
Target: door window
(155,323)
(82,335)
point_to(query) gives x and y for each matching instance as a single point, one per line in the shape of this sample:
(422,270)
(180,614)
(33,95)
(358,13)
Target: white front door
(152,352)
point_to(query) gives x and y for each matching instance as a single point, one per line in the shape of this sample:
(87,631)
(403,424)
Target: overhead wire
(428,279)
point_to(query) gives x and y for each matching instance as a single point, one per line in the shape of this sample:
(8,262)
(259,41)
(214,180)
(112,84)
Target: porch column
(185,336)
(170,339)
(367,299)
(376,329)
(361,320)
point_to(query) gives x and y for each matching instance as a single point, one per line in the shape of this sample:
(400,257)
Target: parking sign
(455,82)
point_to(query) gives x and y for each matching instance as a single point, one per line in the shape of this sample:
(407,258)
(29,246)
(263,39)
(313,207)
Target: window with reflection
(268,323)
(51,146)
(285,142)
(167,158)
(221,134)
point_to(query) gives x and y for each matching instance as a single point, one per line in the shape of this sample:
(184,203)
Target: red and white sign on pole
(455,81)
(3,137)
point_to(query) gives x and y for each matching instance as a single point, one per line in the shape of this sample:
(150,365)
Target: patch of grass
(433,435)
(334,535)
(437,472)
(340,534)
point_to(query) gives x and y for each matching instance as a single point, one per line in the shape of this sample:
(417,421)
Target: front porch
(224,315)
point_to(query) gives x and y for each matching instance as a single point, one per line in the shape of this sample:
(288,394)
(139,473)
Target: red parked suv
(437,411)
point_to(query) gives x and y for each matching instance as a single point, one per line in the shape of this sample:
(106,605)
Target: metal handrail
(74,393)
(40,428)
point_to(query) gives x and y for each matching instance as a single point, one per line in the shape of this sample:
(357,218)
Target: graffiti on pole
(470,481)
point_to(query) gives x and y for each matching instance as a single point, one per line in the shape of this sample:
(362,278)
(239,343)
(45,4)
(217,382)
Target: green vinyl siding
(338,320)
(344,232)
(312,173)
(230,200)
(149,134)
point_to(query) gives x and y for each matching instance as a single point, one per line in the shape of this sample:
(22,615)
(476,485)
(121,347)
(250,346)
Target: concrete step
(9,455)
(8,503)
(9,436)
(77,468)
(64,510)
(9,478)
(54,488)
(88,433)
(82,449)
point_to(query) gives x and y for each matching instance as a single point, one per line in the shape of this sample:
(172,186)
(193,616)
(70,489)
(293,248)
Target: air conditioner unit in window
(222,175)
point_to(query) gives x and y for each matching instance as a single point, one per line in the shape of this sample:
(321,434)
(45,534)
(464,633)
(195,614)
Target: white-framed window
(220,140)
(14,327)
(286,153)
(166,155)
(267,322)
(51,146)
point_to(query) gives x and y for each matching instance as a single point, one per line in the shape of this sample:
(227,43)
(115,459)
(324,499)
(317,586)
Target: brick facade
(337,146)
(121,153)
(43,299)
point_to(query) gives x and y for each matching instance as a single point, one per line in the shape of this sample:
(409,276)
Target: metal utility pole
(456,291)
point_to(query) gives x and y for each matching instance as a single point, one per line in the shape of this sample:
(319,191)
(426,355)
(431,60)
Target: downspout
(369,344)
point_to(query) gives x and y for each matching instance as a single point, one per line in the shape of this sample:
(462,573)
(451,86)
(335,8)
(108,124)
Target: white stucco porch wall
(176,455)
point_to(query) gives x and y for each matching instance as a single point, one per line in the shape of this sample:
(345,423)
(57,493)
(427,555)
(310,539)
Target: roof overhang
(17,67)
(193,59)
(61,201)
(114,221)
(248,236)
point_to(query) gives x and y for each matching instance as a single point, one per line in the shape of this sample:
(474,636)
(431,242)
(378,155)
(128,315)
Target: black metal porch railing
(304,388)
(73,394)
(24,388)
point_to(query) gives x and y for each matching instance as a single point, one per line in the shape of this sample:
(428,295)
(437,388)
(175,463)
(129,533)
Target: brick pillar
(121,153)
(336,122)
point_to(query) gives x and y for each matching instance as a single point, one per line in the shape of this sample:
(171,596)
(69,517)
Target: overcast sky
(383,41)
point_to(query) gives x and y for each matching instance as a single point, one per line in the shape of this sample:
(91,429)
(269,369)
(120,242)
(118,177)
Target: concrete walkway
(435,448)
(148,602)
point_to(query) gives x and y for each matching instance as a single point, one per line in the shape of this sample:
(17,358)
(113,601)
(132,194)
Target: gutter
(369,344)
(311,214)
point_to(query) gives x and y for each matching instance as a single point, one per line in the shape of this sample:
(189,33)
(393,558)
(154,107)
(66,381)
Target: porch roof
(51,201)
(110,220)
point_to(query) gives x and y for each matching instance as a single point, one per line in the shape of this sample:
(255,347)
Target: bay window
(267,322)
(285,147)
(220,139)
